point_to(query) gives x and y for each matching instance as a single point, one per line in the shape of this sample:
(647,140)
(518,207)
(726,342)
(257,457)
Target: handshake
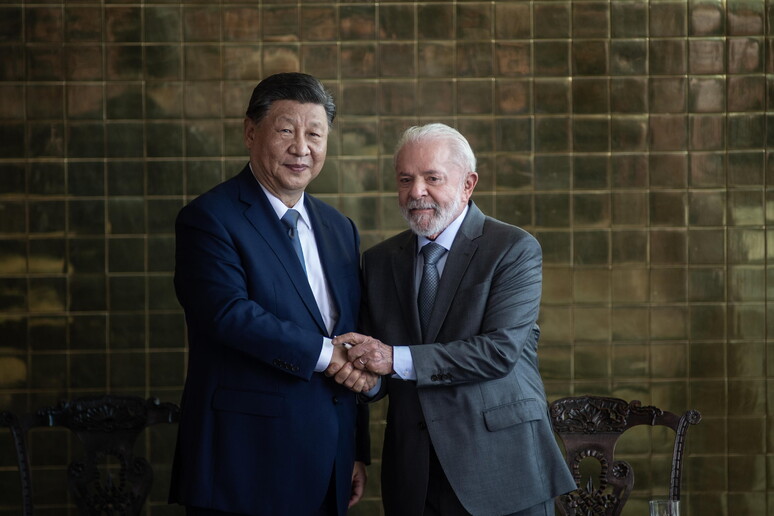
(358,361)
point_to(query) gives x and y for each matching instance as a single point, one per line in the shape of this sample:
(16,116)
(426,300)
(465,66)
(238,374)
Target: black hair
(296,86)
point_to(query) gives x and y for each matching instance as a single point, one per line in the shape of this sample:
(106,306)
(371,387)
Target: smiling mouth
(296,167)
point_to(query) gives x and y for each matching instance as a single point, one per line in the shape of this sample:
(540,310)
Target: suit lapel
(263,218)
(326,248)
(460,255)
(403,266)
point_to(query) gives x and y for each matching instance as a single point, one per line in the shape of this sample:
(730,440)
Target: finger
(353,378)
(344,373)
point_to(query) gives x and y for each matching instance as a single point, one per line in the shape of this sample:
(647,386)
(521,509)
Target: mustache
(418,204)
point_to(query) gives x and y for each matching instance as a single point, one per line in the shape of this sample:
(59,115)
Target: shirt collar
(446,238)
(280,208)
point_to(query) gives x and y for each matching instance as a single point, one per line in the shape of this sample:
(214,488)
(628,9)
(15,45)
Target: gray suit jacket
(478,395)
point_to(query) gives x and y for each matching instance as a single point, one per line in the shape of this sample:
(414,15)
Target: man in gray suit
(452,307)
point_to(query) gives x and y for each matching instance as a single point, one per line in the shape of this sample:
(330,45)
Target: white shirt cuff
(403,363)
(325,356)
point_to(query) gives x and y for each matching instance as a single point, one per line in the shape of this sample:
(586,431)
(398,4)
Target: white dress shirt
(314,272)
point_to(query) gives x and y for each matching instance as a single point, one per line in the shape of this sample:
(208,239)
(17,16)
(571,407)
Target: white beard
(429,225)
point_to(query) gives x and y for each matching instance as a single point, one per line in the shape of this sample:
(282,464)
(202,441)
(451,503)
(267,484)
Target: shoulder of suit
(393,243)
(497,229)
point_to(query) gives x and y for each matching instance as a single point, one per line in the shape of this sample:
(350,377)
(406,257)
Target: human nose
(300,145)
(418,189)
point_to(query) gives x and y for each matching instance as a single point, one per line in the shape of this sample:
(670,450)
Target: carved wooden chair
(589,427)
(107,427)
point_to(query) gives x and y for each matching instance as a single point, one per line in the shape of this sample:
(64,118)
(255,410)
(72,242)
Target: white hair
(437,131)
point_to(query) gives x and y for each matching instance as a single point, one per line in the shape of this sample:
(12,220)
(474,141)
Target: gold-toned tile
(357,22)
(667,19)
(590,20)
(746,321)
(44,24)
(746,131)
(435,21)
(707,169)
(551,58)
(590,95)
(746,169)
(590,134)
(629,133)
(436,59)
(318,23)
(667,56)
(511,59)
(668,94)
(552,134)
(591,210)
(397,98)
(240,23)
(707,132)
(629,247)
(629,19)
(746,208)
(668,132)
(746,93)
(707,285)
(747,359)
(706,246)
(123,24)
(83,24)
(746,18)
(474,21)
(396,22)
(474,97)
(321,60)
(707,56)
(513,96)
(668,246)
(552,20)
(707,17)
(590,57)
(555,324)
(552,210)
(591,362)
(474,59)
(591,247)
(397,60)
(512,20)
(668,360)
(628,56)
(745,55)
(278,58)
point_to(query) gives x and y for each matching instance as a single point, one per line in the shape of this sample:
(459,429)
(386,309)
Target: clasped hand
(359,367)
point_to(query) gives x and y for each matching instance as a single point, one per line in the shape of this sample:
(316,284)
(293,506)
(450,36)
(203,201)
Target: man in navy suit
(267,275)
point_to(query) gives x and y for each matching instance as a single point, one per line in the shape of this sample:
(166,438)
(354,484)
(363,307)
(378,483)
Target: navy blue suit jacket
(260,431)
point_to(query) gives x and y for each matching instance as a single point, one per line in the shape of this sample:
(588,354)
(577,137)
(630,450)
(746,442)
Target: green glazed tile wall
(632,137)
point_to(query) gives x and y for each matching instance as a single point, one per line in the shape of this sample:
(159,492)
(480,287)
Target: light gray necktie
(290,219)
(428,287)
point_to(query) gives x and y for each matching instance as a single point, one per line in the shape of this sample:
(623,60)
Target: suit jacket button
(335,400)
(422,425)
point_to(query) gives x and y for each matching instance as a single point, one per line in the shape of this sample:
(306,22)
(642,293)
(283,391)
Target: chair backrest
(107,427)
(589,427)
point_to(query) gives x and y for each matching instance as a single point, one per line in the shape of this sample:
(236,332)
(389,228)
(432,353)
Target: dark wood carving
(589,427)
(107,479)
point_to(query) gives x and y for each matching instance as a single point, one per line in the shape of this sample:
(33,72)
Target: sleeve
(211,285)
(510,304)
